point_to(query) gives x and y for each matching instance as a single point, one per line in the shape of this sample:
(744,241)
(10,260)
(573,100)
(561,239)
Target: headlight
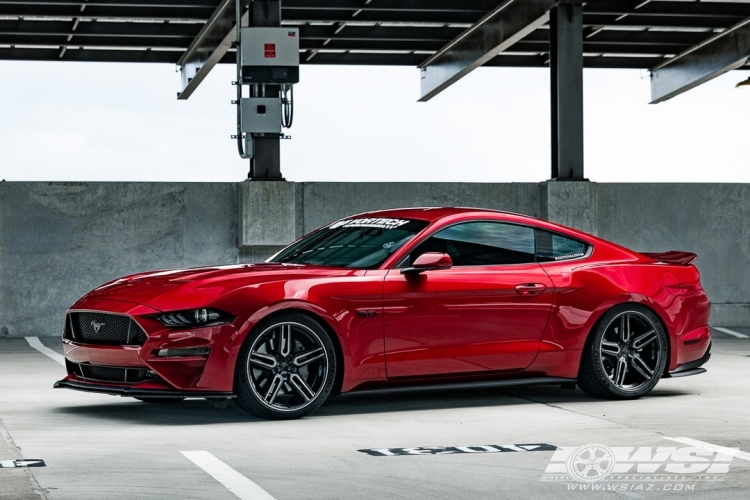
(193,318)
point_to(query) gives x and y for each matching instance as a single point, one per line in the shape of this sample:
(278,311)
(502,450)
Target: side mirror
(429,261)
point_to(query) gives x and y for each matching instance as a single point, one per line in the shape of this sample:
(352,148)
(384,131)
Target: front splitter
(132,392)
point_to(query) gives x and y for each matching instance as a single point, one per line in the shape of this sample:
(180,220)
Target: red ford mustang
(392,300)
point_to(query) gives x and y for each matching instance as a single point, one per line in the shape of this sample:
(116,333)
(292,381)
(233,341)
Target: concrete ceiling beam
(703,62)
(498,30)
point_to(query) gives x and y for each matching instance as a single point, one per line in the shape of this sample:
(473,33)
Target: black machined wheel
(626,356)
(286,367)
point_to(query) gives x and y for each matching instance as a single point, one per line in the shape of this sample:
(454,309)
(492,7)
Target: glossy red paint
(507,320)
(464,319)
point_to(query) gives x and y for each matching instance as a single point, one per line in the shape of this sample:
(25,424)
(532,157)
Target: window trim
(586,254)
(400,264)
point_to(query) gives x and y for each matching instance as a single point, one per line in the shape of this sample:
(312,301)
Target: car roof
(435,213)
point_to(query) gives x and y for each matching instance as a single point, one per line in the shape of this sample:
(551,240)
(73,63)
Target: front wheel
(626,356)
(286,367)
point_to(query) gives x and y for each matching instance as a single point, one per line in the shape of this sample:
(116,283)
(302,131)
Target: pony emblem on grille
(97,325)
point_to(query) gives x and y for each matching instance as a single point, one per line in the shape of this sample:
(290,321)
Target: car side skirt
(483,384)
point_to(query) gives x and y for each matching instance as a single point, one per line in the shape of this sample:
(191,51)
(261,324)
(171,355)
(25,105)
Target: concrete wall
(59,240)
(711,220)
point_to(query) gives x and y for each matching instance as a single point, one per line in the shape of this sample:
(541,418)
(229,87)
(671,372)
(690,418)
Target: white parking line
(733,452)
(37,344)
(731,332)
(235,482)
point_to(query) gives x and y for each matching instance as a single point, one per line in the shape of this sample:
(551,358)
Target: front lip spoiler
(131,392)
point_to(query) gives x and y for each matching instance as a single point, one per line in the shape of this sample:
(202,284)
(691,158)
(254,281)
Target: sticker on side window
(378,223)
(570,256)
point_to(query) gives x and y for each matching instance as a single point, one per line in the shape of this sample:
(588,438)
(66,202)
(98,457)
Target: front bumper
(136,392)
(182,374)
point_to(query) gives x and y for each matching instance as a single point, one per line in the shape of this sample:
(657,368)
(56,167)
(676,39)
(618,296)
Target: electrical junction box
(261,115)
(270,55)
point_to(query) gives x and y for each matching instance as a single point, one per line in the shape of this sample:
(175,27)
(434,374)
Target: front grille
(112,374)
(106,329)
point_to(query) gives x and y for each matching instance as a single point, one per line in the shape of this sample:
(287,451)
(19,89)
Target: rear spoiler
(673,257)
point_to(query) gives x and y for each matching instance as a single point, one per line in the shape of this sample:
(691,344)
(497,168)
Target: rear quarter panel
(583,293)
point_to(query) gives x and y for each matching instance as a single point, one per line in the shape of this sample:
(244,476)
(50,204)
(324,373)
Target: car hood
(197,287)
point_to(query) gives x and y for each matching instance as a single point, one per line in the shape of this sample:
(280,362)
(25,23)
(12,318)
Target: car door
(486,313)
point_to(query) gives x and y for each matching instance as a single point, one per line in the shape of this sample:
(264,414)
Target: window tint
(481,244)
(552,247)
(361,243)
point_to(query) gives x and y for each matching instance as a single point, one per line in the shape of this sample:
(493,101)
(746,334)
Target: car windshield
(362,243)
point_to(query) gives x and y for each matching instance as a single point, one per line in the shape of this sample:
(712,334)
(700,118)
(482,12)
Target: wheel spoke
(308,356)
(610,348)
(285,347)
(642,368)
(301,387)
(273,389)
(625,328)
(620,372)
(263,360)
(643,340)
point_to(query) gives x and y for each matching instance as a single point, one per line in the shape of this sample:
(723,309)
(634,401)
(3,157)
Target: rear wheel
(626,355)
(286,367)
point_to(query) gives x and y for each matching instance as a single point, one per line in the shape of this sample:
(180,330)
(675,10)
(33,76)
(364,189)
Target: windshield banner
(379,223)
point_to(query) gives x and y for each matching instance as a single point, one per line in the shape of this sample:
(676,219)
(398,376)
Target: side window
(481,244)
(551,247)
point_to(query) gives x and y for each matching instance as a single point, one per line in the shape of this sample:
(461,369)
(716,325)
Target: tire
(286,367)
(626,354)
(161,400)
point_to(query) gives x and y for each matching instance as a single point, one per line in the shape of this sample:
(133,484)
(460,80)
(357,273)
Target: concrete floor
(98,446)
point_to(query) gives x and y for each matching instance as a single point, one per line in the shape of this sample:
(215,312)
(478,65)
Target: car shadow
(195,412)
(188,412)
(467,398)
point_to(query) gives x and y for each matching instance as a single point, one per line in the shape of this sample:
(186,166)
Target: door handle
(530,288)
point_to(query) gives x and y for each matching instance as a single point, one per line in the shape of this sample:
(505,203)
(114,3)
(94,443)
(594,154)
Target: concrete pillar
(566,91)
(573,204)
(268,218)
(266,161)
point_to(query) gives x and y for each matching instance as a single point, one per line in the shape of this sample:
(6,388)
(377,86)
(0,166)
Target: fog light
(191,351)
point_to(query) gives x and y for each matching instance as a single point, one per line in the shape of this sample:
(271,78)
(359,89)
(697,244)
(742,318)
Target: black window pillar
(266,161)
(566,71)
